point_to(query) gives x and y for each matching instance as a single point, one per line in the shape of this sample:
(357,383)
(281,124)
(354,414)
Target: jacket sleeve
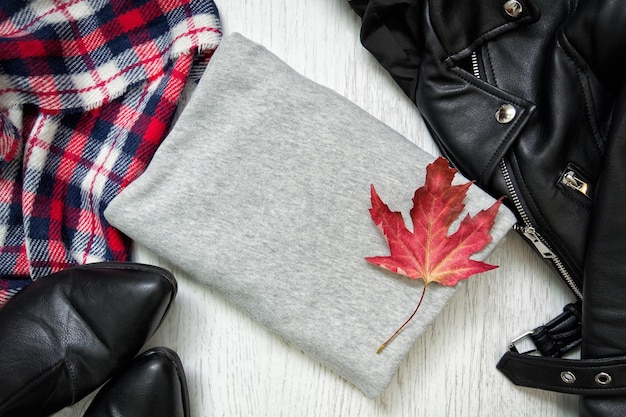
(390,31)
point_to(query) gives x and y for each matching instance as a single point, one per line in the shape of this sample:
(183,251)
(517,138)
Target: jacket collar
(488,18)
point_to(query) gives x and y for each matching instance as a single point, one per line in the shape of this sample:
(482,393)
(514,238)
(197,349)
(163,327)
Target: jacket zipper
(571,180)
(475,66)
(528,231)
(526,228)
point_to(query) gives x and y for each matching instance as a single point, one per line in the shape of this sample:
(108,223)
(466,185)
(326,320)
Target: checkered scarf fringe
(88,90)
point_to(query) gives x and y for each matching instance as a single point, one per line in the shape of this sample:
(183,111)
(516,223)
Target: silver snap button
(603,378)
(505,113)
(513,8)
(568,377)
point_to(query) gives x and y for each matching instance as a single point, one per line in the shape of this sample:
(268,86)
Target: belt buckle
(524,339)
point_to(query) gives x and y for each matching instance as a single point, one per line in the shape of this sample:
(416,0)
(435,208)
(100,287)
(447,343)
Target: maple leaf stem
(380,349)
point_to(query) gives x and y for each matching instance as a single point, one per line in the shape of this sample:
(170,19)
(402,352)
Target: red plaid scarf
(88,89)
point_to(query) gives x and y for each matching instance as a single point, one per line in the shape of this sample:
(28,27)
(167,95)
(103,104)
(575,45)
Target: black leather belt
(549,371)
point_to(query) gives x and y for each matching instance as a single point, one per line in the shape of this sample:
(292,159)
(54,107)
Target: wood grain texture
(237,368)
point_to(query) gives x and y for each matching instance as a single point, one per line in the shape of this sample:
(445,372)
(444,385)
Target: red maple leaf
(429,252)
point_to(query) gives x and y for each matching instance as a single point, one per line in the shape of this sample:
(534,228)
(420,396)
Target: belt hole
(568,377)
(603,378)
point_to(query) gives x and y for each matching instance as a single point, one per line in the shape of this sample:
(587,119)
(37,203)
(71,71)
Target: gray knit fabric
(262,191)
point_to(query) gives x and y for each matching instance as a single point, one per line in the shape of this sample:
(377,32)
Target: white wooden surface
(237,368)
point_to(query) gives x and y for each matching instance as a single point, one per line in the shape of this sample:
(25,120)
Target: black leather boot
(64,335)
(153,385)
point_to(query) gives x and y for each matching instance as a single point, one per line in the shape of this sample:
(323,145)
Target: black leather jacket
(527,98)
(511,101)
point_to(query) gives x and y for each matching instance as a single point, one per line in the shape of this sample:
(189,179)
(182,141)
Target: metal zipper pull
(572,181)
(532,236)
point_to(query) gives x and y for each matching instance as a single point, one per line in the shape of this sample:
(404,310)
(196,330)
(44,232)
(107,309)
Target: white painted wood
(237,368)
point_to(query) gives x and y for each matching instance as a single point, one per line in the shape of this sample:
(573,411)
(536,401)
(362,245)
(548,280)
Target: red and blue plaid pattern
(88,89)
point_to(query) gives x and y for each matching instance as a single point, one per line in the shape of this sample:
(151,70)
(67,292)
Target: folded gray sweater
(261,191)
